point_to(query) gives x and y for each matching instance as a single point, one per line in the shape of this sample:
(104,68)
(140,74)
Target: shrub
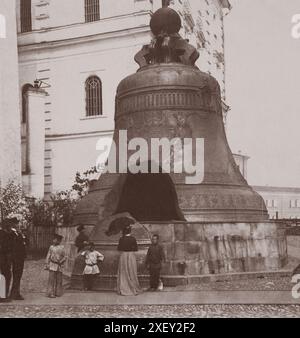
(13,202)
(58,211)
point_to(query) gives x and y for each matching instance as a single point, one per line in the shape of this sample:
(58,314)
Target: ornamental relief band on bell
(195,100)
(176,123)
(208,201)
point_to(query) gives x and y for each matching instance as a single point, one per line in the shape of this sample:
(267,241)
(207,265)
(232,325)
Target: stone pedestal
(194,250)
(216,248)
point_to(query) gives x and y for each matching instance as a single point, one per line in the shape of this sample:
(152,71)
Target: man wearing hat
(16,249)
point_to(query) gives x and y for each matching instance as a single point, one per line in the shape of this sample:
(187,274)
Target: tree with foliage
(58,211)
(13,202)
(39,214)
(82,181)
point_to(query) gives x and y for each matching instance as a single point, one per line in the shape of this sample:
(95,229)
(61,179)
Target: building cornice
(276,189)
(80,32)
(241,155)
(83,39)
(70,136)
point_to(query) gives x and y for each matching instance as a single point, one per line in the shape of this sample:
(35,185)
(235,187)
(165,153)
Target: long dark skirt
(128,283)
(55,287)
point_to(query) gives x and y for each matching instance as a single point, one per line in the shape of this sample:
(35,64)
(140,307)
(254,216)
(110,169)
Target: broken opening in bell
(150,197)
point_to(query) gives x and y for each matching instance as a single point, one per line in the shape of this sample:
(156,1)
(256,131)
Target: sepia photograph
(149,161)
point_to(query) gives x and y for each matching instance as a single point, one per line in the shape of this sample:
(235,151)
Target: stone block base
(194,250)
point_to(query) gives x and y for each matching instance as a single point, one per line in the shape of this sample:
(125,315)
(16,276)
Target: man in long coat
(5,260)
(16,248)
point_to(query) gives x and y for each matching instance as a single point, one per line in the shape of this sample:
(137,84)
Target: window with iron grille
(92,10)
(93,89)
(26,19)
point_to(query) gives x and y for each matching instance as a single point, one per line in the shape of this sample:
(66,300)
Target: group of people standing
(12,257)
(13,254)
(127,277)
(127,281)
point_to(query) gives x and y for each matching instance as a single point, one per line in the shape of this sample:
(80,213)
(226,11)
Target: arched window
(93,92)
(92,10)
(26,20)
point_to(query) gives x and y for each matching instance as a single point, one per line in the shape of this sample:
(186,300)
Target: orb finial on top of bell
(167,45)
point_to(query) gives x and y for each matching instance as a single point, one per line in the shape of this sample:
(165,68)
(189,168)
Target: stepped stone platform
(199,252)
(108,283)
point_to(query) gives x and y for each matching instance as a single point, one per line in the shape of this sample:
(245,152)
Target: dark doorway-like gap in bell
(150,197)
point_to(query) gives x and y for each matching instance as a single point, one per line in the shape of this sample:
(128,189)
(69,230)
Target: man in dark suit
(17,247)
(5,260)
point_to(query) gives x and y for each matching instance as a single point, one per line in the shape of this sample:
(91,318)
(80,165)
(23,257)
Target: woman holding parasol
(127,280)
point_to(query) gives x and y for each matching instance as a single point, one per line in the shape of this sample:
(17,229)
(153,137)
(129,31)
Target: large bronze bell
(169,97)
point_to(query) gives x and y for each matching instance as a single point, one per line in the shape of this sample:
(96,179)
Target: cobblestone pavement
(35,280)
(35,276)
(153,311)
(253,284)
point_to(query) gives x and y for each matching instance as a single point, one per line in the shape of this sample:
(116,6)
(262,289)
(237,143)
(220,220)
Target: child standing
(56,257)
(91,270)
(154,259)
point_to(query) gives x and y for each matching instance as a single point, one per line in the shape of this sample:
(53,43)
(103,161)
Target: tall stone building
(10,142)
(72,55)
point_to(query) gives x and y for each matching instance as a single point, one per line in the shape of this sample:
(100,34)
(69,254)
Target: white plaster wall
(212,20)
(36,141)
(69,67)
(283,203)
(10,135)
(72,155)
(66,51)
(70,12)
(58,13)
(65,69)
(68,88)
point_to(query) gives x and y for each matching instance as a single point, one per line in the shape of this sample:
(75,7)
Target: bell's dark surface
(217,226)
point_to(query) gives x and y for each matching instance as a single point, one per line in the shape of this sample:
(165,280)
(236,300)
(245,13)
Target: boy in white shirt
(91,270)
(55,260)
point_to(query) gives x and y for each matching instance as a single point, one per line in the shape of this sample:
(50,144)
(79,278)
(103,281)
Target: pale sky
(263,89)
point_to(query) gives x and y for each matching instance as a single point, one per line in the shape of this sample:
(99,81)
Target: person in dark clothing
(16,242)
(127,244)
(154,259)
(5,261)
(82,239)
(127,281)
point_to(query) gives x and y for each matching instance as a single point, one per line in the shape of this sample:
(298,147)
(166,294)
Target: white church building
(60,64)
